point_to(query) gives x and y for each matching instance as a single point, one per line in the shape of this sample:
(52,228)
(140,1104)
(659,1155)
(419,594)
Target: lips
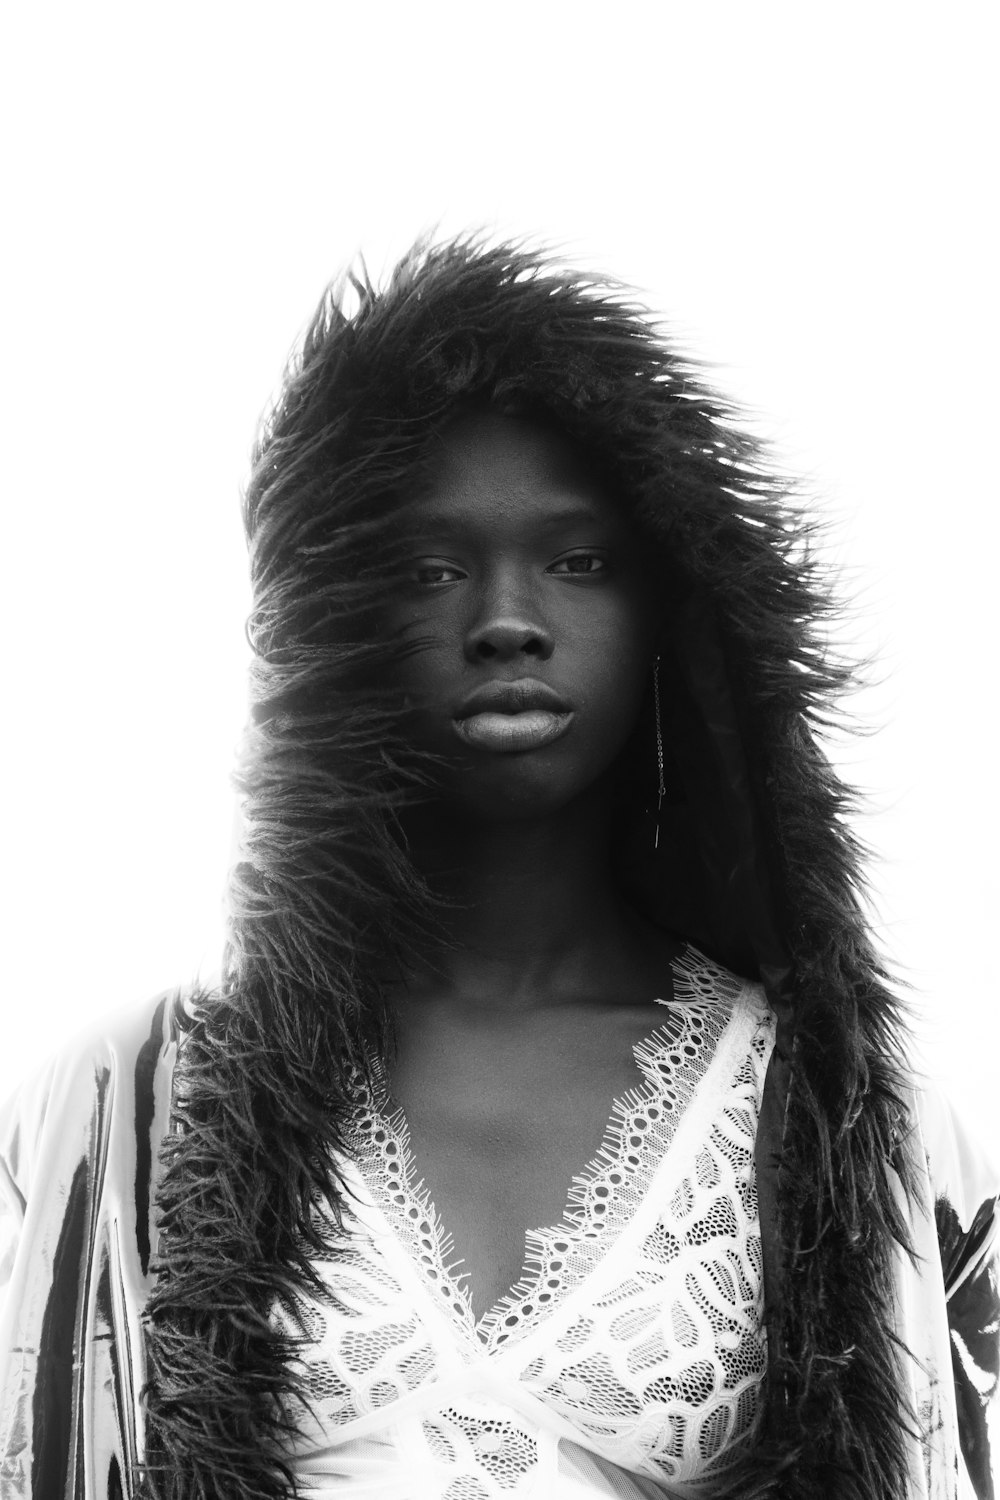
(512,698)
(510,717)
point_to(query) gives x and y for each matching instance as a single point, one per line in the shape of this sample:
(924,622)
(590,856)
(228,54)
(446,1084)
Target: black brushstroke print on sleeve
(971,1281)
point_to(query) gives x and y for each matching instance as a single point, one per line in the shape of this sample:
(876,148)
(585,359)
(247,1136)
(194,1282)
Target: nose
(506,639)
(507,627)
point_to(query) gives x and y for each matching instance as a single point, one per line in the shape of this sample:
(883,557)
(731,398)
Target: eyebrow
(570,515)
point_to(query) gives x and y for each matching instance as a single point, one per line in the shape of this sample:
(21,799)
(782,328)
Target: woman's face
(536,616)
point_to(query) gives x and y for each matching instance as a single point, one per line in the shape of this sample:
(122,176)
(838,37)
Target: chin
(520,792)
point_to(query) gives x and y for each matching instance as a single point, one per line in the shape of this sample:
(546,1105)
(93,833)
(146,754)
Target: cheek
(621,654)
(425,682)
(424,655)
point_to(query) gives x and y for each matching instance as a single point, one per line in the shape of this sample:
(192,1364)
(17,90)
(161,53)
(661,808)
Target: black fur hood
(756,864)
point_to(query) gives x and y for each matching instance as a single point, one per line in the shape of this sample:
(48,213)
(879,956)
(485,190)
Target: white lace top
(628,1359)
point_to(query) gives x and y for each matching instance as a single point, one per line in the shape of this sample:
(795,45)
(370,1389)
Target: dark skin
(516,1036)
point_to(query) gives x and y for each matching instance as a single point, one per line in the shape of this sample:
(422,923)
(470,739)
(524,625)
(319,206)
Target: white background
(806,192)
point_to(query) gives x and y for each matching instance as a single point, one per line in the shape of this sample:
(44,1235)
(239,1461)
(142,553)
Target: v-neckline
(672,1059)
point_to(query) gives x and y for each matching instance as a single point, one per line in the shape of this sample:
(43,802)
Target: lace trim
(602,1198)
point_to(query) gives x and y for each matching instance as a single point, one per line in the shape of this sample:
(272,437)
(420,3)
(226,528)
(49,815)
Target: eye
(579,564)
(429,572)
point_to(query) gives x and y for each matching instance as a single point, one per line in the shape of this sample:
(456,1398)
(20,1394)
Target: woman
(551,1132)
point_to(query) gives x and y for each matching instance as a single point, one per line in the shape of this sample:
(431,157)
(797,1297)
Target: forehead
(504,467)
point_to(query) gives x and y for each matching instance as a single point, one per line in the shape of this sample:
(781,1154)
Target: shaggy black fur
(759,868)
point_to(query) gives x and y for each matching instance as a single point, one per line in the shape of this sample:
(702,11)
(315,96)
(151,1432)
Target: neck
(531,905)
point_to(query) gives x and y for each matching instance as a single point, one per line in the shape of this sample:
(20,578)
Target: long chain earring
(661,788)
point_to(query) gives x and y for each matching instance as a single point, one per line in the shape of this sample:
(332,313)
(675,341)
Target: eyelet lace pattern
(636,1329)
